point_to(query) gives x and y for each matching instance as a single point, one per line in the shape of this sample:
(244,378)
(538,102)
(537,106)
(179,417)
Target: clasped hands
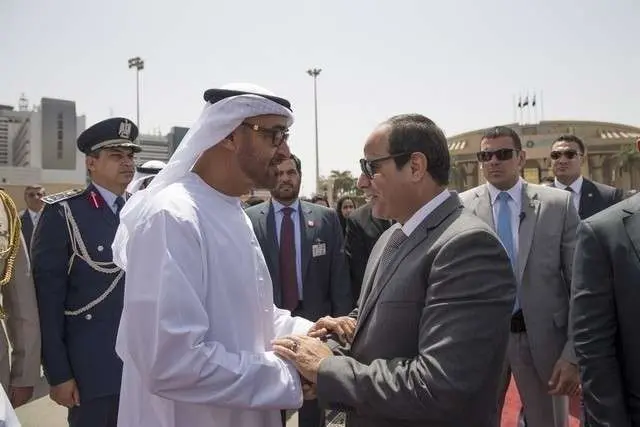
(307,352)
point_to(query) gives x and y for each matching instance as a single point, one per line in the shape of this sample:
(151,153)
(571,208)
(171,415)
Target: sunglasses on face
(569,154)
(501,154)
(369,167)
(278,135)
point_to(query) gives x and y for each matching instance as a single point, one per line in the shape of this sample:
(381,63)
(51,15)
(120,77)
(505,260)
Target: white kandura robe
(199,317)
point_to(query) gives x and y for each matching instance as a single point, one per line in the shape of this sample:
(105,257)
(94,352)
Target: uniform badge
(318,249)
(125,129)
(310,223)
(94,199)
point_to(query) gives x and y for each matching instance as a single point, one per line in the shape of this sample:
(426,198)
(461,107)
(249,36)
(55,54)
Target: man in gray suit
(433,316)
(537,226)
(303,245)
(605,314)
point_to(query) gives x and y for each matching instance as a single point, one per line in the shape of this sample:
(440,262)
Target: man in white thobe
(198,319)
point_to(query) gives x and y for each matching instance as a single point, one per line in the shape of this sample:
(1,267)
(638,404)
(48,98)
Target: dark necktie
(397,238)
(388,253)
(288,277)
(119,205)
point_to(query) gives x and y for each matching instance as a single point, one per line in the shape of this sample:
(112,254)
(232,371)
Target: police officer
(78,287)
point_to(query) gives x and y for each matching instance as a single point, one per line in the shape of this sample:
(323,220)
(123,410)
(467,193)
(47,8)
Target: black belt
(517,323)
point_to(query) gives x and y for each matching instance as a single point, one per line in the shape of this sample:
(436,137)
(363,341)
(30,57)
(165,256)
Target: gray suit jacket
(546,243)
(432,331)
(325,279)
(605,314)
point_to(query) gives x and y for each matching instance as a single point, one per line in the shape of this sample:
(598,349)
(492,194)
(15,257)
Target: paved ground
(43,412)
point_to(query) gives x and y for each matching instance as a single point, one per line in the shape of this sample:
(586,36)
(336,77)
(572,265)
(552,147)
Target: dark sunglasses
(501,154)
(569,154)
(369,167)
(278,136)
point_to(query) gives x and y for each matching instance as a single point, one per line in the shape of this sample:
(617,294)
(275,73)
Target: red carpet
(512,409)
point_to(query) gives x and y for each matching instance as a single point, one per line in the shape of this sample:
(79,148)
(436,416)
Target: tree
(456,179)
(626,156)
(338,184)
(343,183)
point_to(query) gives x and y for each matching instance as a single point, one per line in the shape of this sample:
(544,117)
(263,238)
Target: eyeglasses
(369,167)
(278,135)
(501,154)
(569,154)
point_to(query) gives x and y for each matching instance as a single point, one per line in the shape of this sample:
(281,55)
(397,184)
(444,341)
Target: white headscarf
(140,177)
(216,122)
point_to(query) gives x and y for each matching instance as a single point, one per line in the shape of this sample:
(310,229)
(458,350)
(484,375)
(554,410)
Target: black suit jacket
(605,314)
(595,197)
(363,231)
(325,278)
(78,346)
(27,229)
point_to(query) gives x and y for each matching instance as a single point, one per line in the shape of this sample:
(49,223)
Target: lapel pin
(590,195)
(94,199)
(310,223)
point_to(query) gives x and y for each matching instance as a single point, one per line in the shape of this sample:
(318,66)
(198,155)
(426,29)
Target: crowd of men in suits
(557,268)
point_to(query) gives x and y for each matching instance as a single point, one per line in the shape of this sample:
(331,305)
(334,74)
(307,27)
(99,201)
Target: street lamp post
(314,72)
(138,64)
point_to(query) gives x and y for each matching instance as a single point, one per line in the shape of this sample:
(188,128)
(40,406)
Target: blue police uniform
(79,289)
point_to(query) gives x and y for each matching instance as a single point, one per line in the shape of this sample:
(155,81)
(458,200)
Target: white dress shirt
(35,216)
(515,204)
(576,190)
(422,213)
(109,197)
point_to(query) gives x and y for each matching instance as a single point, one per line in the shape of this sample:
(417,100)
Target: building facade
(605,158)
(38,145)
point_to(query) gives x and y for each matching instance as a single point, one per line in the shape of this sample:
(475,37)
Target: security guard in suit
(79,289)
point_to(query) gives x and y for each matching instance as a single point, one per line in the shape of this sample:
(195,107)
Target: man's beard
(260,177)
(286,196)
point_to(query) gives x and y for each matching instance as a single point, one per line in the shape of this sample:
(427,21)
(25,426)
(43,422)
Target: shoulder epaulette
(58,197)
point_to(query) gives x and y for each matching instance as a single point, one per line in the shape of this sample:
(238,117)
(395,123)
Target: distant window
(60,134)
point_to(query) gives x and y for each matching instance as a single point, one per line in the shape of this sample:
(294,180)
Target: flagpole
(535,108)
(520,108)
(515,113)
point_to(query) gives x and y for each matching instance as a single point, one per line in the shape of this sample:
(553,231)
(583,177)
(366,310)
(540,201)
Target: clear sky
(458,62)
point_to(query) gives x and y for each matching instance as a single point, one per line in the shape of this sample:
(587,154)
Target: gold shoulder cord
(14,228)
